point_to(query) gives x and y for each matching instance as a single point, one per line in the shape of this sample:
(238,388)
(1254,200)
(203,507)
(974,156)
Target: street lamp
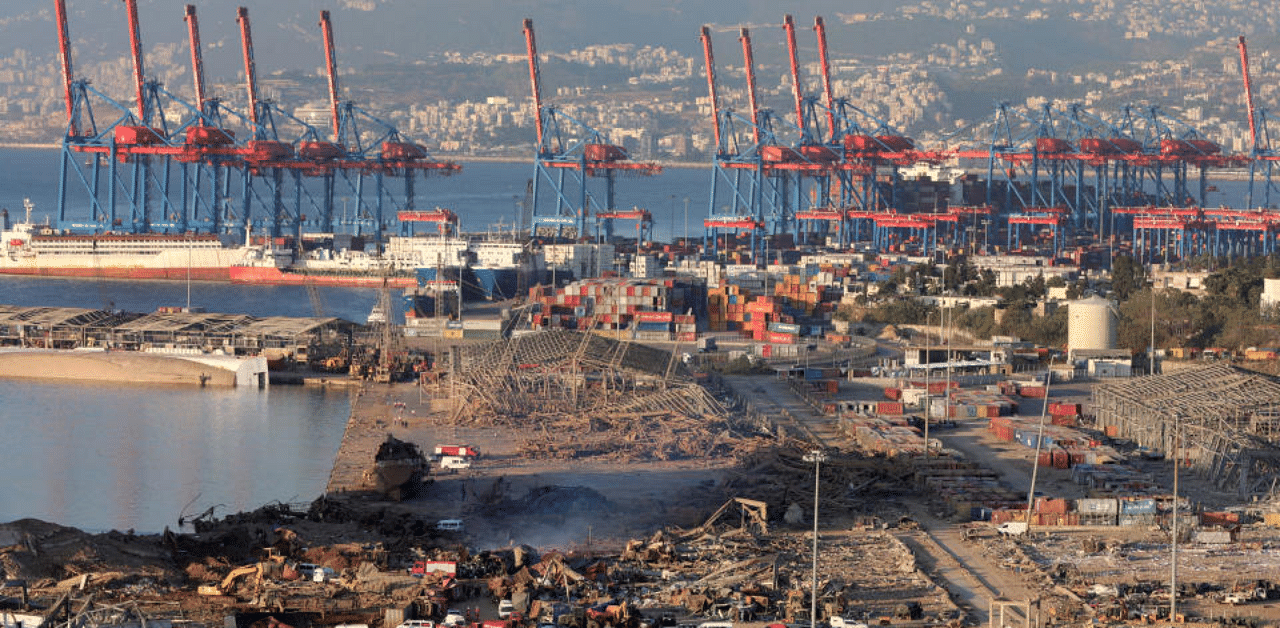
(671,207)
(1173,528)
(816,457)
(1151,359)
(686,221)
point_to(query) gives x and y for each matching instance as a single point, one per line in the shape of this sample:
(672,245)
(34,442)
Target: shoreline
(127,367)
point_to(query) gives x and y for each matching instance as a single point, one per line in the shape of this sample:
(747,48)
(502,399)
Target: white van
(449,525)
(454,462)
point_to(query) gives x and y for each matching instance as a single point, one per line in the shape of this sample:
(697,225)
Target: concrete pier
(136,367)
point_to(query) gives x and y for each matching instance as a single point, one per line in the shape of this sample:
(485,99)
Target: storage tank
(1270,296)
(1091,324)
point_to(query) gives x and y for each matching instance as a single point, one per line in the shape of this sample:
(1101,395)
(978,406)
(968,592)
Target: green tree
(1127,275)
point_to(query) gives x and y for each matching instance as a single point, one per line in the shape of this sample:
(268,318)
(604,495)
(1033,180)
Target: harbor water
(102,457)
(122,457)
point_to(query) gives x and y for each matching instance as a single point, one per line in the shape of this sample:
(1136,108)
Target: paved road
(962,567)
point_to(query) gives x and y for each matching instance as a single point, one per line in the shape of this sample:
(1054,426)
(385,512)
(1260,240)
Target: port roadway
(963,568)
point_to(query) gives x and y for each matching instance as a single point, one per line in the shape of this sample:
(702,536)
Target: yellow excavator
(228,583)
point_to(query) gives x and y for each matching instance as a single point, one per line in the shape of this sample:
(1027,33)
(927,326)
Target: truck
(423,567)
(1244,596)
(454,462)
(1012,528)
(461,451)
(706,344)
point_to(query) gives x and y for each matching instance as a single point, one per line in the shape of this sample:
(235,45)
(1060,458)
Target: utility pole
(927,318)
(1173,528)
(815,456)
(1151,360)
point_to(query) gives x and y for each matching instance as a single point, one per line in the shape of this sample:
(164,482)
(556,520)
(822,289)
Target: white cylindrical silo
(1270,299)
(1091,324)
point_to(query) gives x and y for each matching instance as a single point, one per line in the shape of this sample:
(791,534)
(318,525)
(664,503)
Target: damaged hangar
(1227,420)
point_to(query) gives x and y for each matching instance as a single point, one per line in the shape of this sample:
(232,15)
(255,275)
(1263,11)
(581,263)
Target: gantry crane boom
(789,25)
(135,47)
(197,57)
(711,84)
(820,28)
(748,65)
(535,79)
(1248,94)
(64,56)
(250,67)
(330,64)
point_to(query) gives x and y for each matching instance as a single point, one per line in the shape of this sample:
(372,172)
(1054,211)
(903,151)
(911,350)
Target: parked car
(505,608)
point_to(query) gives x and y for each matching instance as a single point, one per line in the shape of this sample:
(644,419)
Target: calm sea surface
(102,457)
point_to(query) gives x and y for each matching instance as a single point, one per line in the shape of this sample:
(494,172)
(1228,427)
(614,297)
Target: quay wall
(130,367)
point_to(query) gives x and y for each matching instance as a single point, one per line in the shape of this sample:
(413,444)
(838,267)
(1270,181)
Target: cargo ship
(321,267)
(41,250)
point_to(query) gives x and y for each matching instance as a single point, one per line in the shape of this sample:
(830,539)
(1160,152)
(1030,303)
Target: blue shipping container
(784,328)
(652,326)
(1138,507)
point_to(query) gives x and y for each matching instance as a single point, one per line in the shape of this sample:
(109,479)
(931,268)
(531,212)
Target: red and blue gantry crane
(141,172)
(1262,156)
(755,179)
(135,171)
(572,161)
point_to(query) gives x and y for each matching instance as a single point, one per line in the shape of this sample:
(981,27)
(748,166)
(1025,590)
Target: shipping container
(1138,506)
(784,328)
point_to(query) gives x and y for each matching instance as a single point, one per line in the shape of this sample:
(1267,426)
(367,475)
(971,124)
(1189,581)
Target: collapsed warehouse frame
(561,383)
(1222,420)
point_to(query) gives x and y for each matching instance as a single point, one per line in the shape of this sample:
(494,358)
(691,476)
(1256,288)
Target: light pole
(816,457)
(686,221)
(928,317)
(671,205)
(1151,359)
(1173,528)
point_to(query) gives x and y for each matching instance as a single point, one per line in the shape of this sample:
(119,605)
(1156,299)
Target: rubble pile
(849,484)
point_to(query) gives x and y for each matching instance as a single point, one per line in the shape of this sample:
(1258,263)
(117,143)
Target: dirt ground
(625,499)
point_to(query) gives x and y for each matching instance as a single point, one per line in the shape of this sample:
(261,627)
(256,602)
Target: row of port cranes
(573,193)
(221,171)
(1139,176)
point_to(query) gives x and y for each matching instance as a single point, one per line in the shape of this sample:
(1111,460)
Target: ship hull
(274,276)
(497,284)
(120,272)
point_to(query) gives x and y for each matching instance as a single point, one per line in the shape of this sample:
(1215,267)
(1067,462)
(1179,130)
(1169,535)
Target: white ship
(30,249)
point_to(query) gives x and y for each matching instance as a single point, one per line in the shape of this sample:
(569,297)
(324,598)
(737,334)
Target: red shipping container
(889,408)
(1219,518)
(766,351)
(1033,392)
(893,394)
(654,317)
